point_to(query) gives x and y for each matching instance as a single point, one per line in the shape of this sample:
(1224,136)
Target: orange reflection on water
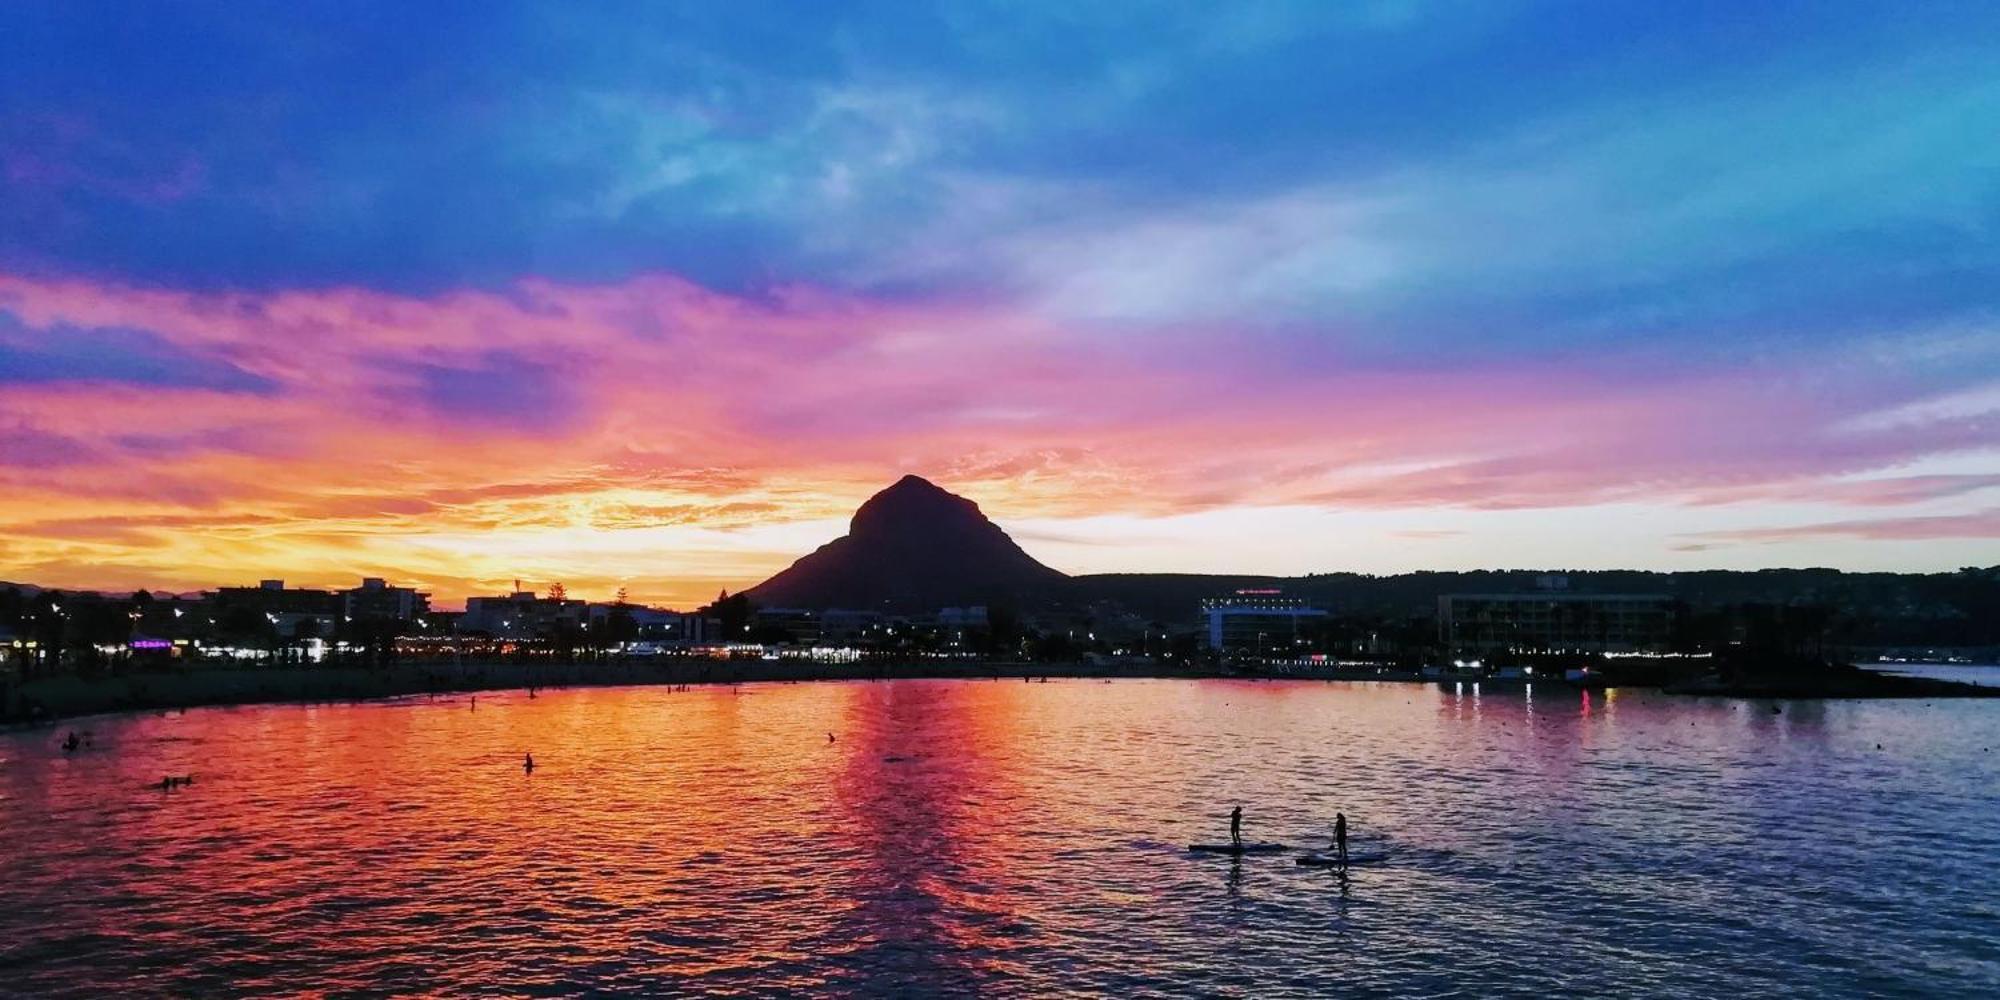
(997,834)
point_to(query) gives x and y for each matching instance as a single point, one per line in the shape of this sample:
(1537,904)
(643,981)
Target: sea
(1009,839)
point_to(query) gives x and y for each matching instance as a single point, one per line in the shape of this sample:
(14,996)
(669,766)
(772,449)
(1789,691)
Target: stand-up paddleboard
(1331,859)
(1244,848)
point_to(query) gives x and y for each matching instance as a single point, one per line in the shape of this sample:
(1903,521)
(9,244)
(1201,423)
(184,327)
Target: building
(799,626)
(653,625)
(375,600)
(847,625)
(272,596)
(1258,622)
(1550,622)
(973,618)
(291,613)
(521,615)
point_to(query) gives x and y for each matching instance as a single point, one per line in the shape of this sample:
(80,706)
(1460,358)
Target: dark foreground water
(1010,839)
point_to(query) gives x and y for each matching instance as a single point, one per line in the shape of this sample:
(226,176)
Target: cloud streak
(1981,525)
(656,404)
(653,295)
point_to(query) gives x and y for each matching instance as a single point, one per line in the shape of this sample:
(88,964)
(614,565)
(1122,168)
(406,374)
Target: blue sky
(1789,207)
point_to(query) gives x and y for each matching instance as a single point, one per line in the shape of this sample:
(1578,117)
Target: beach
(52,699)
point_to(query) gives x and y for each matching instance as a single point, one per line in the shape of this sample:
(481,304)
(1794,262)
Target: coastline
(52,700)
(70,697)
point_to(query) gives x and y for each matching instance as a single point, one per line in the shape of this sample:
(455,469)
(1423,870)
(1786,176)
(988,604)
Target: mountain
(912,546)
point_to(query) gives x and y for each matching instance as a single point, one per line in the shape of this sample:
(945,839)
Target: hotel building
(1556,622)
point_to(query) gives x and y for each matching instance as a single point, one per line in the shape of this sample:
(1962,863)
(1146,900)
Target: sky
(653,295)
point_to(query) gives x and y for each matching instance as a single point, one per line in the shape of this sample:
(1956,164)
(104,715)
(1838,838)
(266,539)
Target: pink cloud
(1983,524)
(1887,492)
(681,405)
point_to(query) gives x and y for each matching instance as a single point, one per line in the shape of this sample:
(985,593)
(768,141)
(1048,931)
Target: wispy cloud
(660,292)
(657,405)
(1976,525)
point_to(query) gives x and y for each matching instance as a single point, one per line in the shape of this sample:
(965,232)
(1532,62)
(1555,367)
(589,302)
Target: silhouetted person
(1340,835)
(528,764)
(69,745)
(1236,827)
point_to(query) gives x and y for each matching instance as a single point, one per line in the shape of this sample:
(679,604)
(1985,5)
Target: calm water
(1010,839)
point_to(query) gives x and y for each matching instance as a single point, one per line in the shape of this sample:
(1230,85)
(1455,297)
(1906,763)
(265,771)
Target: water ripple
(987,839)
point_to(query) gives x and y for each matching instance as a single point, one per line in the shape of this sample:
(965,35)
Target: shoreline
(49,701)
(66,698)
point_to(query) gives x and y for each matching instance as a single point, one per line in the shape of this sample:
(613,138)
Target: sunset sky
(653,295)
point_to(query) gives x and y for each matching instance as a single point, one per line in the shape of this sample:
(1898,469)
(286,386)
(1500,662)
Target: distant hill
(915,547)
(912,546)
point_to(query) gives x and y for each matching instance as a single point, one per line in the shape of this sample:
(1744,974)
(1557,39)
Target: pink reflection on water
(986,833)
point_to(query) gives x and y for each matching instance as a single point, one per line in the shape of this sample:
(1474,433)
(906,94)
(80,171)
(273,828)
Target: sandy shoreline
(55,699)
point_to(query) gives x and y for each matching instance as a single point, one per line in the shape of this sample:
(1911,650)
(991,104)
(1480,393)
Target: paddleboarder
(1236,827)
(528,763)
(1340,835)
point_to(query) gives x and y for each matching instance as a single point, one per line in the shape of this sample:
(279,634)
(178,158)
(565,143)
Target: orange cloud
(675,440)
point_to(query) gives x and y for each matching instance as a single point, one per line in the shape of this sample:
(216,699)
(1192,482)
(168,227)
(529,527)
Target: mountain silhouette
(912,546)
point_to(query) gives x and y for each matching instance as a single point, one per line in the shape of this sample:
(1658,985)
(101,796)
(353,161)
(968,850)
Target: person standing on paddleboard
(1236,827)
(1340,835)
